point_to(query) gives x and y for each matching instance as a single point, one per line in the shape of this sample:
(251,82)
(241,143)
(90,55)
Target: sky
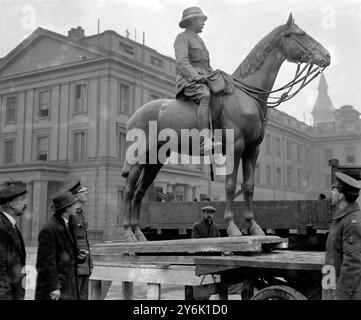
(231,31)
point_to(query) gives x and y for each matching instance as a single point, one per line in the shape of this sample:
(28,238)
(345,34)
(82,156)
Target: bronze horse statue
(245,113)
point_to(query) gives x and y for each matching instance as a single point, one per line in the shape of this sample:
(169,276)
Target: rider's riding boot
(206,143)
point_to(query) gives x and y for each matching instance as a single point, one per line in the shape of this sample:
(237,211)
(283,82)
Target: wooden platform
(192,246)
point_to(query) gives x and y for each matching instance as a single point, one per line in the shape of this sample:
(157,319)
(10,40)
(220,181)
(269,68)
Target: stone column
(40,194)
(188,193)
(26,219)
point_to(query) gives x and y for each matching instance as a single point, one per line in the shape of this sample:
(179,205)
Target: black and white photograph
(200,151)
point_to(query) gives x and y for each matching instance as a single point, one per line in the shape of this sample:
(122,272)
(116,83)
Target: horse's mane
(257,56)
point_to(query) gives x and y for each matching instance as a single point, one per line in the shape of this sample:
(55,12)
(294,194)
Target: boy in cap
(58,255)
(206,228)
(80,228)
(13,203)
(343,247)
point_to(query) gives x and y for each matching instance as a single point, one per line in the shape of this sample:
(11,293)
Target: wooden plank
(153,291)
(191,246)
(98,289)
(291,260)
(118,273)
(146,259)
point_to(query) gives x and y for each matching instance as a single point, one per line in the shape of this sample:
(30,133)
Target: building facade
(65,102)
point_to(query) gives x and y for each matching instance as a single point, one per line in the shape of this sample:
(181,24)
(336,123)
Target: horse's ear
(290,19)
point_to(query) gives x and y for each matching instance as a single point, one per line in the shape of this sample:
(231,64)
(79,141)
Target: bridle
(298,78)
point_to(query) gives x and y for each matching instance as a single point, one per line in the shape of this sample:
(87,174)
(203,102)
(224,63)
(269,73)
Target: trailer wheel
(279,293)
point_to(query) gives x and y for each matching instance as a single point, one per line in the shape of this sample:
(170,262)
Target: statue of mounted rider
(243,109)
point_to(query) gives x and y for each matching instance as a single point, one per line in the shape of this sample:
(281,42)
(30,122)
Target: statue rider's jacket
(192,58)
(343,252)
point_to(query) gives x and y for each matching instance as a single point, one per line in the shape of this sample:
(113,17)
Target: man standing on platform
(206,228)
(58,256)
(343,247)
(80,228)
(13,203)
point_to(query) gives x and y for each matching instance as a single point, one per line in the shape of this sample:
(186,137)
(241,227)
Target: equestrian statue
(243,109)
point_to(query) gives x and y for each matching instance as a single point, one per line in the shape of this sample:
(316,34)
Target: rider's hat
(190,13)
(208,209)
(11,191)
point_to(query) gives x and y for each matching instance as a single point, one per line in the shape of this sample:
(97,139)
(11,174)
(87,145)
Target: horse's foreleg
(132,179)
(231,185)
(249,159)
(147,177)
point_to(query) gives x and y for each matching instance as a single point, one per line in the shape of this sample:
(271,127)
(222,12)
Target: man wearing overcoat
(206,228)
(343,247)
(13,203)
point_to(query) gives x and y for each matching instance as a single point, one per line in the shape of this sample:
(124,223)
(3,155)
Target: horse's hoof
(255,229)
(233,230)
(129,237)
(140,237)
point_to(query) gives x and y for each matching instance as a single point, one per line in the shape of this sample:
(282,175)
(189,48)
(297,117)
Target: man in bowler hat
(206,228)
(58,255)
(13,203)
(343,246)
(80,228)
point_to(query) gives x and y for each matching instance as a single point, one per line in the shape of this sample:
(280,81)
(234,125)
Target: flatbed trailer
(210,266)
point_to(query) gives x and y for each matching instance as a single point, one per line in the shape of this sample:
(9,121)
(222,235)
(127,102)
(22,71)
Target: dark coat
(202,229)
(12,261)
(192,58)
(56,261)
(343,252)
(80,228)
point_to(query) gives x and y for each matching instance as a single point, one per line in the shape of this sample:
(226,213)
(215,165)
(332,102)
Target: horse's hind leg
(148,175)
(132,179)
(249,159)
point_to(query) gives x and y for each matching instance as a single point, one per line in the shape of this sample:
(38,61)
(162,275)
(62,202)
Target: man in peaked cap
(80,228)
(193,67)
(343,247)
(13,203)
(206,228)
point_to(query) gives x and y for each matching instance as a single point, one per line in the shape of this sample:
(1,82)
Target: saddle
(220,83)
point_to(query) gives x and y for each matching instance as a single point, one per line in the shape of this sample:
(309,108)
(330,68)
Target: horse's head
(298,46)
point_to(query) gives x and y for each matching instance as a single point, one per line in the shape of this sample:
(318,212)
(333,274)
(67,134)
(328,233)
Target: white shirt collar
(11,219)
(66,221)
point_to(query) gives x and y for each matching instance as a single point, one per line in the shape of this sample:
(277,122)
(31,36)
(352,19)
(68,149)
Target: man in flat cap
(193,67)
(343,247)
(80,228)
(206,228)
(58,255)
(13,202)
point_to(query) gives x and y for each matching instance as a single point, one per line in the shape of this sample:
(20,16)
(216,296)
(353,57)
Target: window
(179,197)
(44,103)
(307,155)
(289,176)
(124,98)
(278,148)
(127,48)
(42,148)
(328,154)
(268,175)
(268,144)
(299,178)
(299,154)
(278,177)
(79,147)
(121,145)
(288,150)
(350,155)
(9,151)
(10,114)
(79,98)
(156,61)
(257,174)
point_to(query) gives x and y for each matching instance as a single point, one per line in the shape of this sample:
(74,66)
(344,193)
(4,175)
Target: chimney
(76,33)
